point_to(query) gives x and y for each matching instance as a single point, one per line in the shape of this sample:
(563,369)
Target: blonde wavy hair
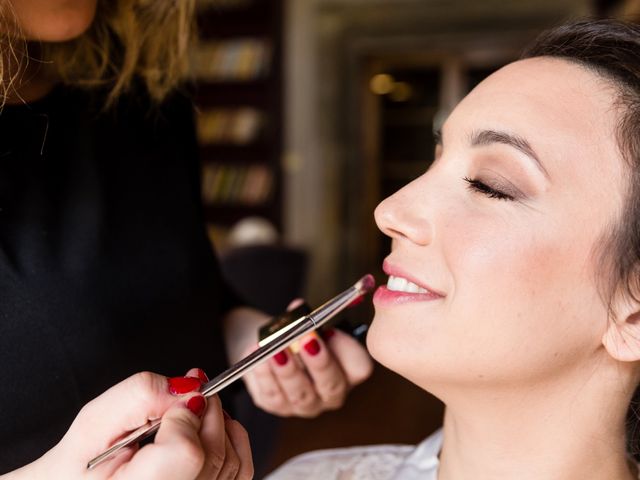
(128,39)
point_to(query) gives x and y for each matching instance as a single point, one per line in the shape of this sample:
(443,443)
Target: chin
(386,348)
(388,351)
(62,32)
(60,23)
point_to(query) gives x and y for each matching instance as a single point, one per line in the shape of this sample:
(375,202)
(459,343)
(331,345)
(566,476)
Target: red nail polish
(328,333)
(312,347)
(196,405)
(356,301)
(281,358)
(202,376)
(182,385)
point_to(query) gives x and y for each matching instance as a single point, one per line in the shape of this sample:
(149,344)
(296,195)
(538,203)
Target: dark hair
(611,49)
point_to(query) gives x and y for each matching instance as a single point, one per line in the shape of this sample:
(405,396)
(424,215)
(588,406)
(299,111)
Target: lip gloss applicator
(269,346)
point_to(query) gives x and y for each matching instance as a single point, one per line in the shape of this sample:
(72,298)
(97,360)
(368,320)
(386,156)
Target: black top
(105,267)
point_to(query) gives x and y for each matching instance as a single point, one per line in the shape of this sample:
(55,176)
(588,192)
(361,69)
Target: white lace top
(379,462)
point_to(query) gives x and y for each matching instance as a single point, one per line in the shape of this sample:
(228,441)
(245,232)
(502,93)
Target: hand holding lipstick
(315,379)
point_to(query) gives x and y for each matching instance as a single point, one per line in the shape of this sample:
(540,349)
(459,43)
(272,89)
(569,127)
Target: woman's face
(502,234)
(53,20)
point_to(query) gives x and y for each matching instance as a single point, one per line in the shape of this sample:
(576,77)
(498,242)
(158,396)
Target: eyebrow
(488,137)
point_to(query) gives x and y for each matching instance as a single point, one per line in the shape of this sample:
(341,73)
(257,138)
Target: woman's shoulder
(377,462)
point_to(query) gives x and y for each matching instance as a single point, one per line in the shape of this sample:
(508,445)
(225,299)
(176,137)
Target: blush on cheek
(519,259)
(523,297)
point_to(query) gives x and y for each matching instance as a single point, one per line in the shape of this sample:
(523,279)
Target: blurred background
(309,112)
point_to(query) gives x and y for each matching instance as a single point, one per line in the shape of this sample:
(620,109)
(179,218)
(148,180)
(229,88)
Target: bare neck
(543,431)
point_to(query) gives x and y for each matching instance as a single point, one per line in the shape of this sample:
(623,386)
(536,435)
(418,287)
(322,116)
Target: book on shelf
(240,59)
(236,70)
(239,126)
(225,184)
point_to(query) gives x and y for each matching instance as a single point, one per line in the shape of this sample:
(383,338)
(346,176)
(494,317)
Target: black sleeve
(181,112)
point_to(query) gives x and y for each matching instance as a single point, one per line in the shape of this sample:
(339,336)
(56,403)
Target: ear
(622,337)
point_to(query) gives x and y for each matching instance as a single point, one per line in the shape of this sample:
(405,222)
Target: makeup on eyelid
(491,188)
(503,157)
(506,176)
(484,166)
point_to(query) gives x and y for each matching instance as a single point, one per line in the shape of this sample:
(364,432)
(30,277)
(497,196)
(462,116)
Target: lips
(403,288)
(395,271)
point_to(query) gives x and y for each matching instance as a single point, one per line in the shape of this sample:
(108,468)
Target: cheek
(525,294)
(521,306)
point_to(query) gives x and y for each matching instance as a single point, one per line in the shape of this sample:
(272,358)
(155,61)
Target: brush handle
(248,363)
(277,343)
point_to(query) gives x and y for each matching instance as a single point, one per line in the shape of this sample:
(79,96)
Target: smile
(399,284)
(399,290)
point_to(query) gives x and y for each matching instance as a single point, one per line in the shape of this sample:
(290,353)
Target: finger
(296,385)
(329,379)
(177,452)
(231,465)
(353,358)
(264,390)
(123,408)
(240,442)
(199,374)
(214,440)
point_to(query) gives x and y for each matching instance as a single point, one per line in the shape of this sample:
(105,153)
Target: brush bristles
(366,284)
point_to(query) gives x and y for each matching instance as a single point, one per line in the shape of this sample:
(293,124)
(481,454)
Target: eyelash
(478,186)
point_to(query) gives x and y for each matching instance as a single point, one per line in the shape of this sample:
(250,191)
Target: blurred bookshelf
(237,73)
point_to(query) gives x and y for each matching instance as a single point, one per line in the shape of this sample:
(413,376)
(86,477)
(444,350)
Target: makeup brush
(269,346)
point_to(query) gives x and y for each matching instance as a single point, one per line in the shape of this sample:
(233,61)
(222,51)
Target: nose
(402,217)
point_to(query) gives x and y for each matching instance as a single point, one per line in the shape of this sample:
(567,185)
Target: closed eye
(491,192)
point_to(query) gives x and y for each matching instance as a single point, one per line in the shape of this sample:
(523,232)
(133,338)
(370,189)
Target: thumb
(176,453)
(182,420)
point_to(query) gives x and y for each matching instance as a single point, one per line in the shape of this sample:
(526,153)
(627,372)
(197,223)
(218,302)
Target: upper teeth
(400,284)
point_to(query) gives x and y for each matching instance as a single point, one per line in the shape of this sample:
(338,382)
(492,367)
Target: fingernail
(281,358)
(196,405)
(356,301)
(312,347)
(202,376)
(182,385)
(226,415)
(328,333)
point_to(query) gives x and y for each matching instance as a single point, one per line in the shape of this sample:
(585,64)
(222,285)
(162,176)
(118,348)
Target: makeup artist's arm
(316,379)
(195,441)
